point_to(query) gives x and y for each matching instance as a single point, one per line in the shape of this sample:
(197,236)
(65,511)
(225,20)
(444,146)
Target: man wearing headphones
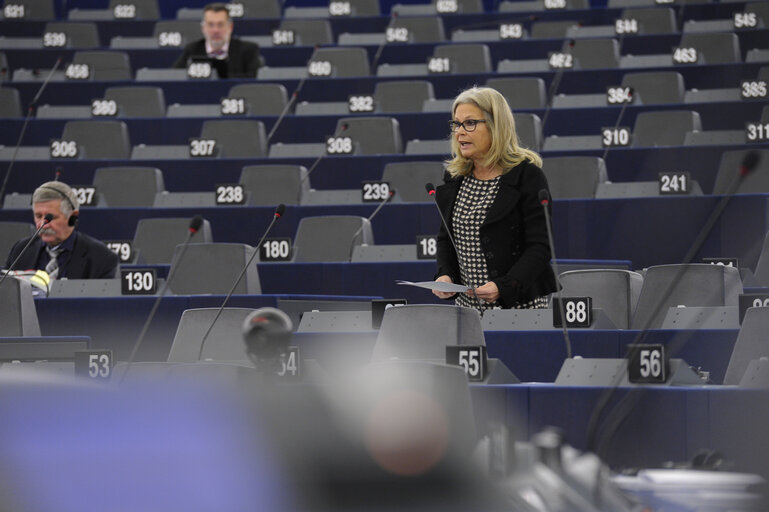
(61,251)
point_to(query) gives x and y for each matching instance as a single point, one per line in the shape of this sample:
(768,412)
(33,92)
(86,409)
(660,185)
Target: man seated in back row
(61,251)
(239,59)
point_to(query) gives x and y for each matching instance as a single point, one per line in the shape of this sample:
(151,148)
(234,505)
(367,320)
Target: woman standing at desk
(490,201)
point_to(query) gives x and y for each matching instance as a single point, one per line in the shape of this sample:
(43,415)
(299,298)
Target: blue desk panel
(639,230)
(666,424)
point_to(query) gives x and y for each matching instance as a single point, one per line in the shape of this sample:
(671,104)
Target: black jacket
(90,258)
(513,236)
(242,57)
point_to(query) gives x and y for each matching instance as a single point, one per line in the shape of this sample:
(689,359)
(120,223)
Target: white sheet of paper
(437,285)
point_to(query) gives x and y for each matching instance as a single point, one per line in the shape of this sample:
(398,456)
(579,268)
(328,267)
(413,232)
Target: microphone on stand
(554,85)
(544,200)
(621,410)
(30,110)
(430,188)
(284,112)
(630,93)
(390,194)
(278,214)
(47,219)
(195,224)
(341,129)
(380,48)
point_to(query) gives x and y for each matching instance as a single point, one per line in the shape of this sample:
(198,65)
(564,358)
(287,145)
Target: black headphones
(72,218)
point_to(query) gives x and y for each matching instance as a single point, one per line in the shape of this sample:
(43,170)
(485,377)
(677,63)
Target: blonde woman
(490,201)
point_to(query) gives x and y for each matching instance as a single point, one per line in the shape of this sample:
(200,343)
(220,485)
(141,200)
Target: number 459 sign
(647,364)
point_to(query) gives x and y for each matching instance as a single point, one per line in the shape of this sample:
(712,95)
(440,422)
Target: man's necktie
(53,266)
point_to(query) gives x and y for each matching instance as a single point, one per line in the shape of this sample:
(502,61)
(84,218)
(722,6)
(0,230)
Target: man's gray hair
(53,190)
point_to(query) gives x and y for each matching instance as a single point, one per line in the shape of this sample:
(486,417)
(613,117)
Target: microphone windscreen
(750,161)
(430,188)
(544,196)
(48,217)
(280,209)
(195,224)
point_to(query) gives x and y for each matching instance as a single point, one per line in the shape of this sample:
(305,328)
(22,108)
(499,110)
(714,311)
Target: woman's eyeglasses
(468,124)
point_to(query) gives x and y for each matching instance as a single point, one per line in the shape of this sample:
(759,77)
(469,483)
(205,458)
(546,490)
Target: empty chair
(529,129)
(145,9)
(330,238)
(653,20)
(551,29)
(138,101)
(572,177)
(751,344)
(466,58)
(262,99)
(10,103)
(763,73)
(402,96)
(365,8)
(424,331)
(237,138)
(209,268)
(261,8)
(189,29)
(696,284)
(156,239)
(18,316)
(755,182)
(656,87)
(79,35)
(345,62)
(595,53)
(422,29)
(408,179)
(761,9)
(714,47)
(269,185)
(12,232)
(521,93)
(762,267)
(99,139)
(666,128)
(309,32)
(372,135)
(224,343)
(127,187)
(614,291)
(35,9)
(106,65)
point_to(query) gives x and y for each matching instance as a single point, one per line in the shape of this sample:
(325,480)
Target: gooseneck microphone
(30,110)
(195,224)
(430,188)
(278,214)
(370,217)
(544,200)
(624,406)
(554,85)
(630,93)
(47,220)
(380,48)
(343,127)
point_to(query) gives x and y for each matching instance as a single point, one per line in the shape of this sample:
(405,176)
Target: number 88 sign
(577,310)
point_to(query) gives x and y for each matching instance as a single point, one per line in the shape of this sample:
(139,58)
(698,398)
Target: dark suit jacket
(513,236)
(90,258)
(242,57)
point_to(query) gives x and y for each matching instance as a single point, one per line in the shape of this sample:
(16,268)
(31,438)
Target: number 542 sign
(647,364)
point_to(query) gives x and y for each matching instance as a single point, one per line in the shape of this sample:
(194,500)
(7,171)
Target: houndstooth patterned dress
(473,201)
